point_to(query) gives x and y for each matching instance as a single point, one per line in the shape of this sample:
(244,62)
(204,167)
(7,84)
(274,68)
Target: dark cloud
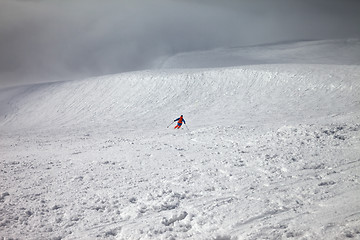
(62,39)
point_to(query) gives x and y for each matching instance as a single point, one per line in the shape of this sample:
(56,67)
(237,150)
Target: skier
(180,121)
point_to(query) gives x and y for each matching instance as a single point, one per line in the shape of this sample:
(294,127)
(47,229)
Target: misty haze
(43,41)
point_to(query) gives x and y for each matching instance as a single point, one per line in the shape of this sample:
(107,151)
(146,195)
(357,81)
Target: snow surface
(268,152)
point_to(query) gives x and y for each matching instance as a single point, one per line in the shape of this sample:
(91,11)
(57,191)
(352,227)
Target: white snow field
(268,152)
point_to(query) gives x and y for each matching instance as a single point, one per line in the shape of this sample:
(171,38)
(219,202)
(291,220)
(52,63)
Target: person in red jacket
(180,121)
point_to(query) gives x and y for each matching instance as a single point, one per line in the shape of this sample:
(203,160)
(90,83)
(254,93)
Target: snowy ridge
(282,92)
(336,52)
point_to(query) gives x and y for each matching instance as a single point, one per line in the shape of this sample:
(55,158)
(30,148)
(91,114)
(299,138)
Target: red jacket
(180,120)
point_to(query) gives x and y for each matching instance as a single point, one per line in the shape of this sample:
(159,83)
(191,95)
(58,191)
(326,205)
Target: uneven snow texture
(234,182)
(268,152)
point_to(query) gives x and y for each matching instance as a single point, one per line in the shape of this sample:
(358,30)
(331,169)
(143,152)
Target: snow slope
(235,95)
(268,152)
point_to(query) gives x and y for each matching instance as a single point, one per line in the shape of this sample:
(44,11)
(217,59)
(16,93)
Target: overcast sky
(47,40)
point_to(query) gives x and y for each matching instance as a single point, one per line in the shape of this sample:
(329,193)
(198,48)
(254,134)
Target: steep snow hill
(253,94)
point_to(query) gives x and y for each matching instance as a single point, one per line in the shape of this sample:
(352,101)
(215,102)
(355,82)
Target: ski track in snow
(272,152)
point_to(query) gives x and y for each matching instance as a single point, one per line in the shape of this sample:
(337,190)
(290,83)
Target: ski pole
(187,127)
(170,124)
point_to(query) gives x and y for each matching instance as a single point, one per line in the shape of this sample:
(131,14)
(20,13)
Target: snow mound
(235,95)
